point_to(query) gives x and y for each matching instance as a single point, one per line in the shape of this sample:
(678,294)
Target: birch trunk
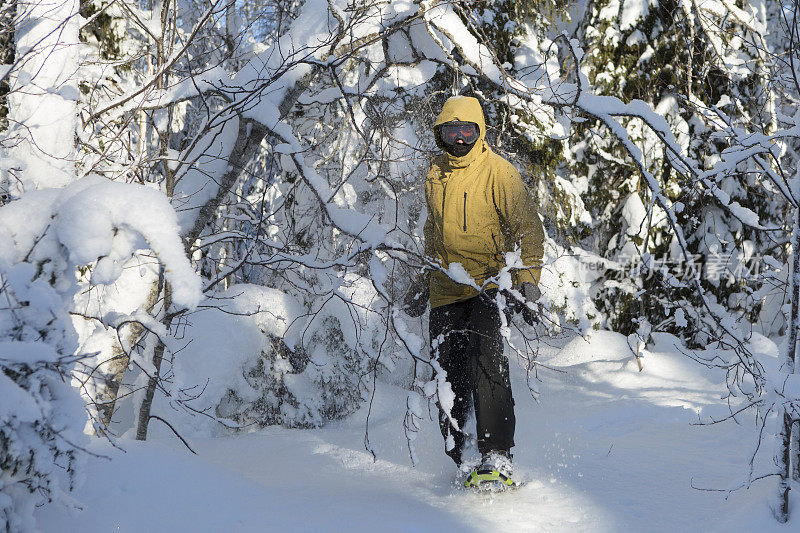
(783,456)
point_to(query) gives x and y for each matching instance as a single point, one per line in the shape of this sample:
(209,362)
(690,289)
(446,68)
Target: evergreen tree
(674,58)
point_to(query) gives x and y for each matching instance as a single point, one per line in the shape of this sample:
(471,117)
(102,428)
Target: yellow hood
(468,109)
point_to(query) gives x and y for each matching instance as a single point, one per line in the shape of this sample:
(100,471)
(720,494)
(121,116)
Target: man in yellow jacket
(478,210)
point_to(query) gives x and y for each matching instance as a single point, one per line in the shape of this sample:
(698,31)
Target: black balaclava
(458,150)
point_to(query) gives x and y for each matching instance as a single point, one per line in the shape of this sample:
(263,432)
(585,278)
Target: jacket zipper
(465,210)
(444,201)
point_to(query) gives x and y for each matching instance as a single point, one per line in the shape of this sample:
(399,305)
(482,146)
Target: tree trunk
(152,383)
(230,27)
(783,456)
(8,10)
(781,509)
(795,450)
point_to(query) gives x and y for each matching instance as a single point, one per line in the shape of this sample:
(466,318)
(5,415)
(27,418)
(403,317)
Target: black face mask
(458,150)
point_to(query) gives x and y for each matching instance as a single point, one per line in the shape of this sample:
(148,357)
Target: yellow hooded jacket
(478,209)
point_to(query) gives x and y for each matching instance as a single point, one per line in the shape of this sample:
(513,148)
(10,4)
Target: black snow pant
(465,339)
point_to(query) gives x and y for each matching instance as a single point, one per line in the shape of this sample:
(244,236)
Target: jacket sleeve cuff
(529,275)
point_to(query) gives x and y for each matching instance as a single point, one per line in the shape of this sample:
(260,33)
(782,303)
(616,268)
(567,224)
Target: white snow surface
(606,448)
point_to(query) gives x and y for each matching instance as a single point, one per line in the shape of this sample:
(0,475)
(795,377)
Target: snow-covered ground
(606,448)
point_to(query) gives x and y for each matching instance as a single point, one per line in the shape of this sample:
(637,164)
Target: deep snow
(606,448)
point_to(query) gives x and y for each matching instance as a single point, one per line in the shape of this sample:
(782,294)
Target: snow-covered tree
(60,235)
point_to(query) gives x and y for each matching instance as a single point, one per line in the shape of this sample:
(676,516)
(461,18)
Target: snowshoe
(493,474)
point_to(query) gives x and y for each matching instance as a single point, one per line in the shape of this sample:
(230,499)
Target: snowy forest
(211,212)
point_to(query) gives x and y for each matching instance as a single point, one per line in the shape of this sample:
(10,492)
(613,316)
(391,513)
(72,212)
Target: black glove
(530,293)
(416,299)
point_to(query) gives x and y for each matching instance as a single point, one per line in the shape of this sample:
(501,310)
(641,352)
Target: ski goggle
(450,132)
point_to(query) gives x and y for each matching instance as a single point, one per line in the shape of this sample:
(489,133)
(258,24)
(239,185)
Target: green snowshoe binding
(488,480)
(493,474)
